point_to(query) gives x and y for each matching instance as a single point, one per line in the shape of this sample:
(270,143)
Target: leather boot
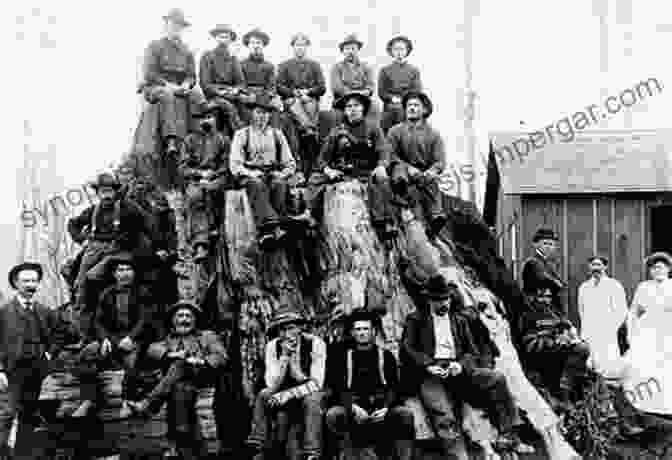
(403,449)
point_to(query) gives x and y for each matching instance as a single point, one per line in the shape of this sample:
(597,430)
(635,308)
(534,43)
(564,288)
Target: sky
(76,66)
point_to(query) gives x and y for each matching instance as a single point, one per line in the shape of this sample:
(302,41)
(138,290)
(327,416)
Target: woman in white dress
(648,362)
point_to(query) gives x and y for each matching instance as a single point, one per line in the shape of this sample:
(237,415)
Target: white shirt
(445,344)
(24,303)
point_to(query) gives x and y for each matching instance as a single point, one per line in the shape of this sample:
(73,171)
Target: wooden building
(605,192)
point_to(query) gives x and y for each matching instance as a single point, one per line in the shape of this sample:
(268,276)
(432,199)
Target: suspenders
(278,145)
(381,367)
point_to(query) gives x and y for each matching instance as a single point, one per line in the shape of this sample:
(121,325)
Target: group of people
(242,139)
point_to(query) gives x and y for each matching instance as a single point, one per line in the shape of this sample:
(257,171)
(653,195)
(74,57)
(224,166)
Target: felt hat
(300,36)
(363,314)
(223,28)
(399,38)
(106,180)
(426,101)
(656,257)
(603,259)
(263,101)
(545,234)
(285,315)
(177,15)
(256,33)
(195,309)
(351,39)
(14,272)
(438,288)
(341,102)
(114,260)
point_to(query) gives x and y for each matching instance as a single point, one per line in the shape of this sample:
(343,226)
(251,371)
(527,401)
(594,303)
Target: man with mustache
(112,225)
(295,372)
(27,341)
(539,270)
(395,80)
(418,157)
(259,73)
(191,359)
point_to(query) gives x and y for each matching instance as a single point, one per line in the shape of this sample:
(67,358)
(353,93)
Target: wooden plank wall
(616,226)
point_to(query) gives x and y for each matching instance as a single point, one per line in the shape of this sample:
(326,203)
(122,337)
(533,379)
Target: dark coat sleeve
(101,317)
(215,352)
(151,66)
(284,82)
(205,76)
(384,85)
(411,346)
(77,226)
(391,371)
(320,86)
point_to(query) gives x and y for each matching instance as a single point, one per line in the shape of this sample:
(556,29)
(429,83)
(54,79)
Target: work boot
(171,146)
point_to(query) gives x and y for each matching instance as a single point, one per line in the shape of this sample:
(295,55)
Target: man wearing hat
(554,353)
(351,74)
(396,79)
(112,225)
(301,84)
(363,383)
(357,149)
(259,73)
(418,157)
(539,270)
(221,76)
(169,73)
(27,340)
(262,160)
(446,356)
(191,359)
(295,365)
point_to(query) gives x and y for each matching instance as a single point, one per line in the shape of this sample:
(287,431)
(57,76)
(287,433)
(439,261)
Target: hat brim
(96,186)
(409,44)
(180,21)
(219,31)
(267,107)
(342,45)
(14,272)
(658,257)
(426,102)
(170,313)
(273,326)
(265,38)
(343,101)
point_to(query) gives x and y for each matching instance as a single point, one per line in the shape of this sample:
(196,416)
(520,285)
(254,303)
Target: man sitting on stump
(364,380)
(263,161)
(357,149)
(191,359)
(295,372)
(417,159)
(554,353)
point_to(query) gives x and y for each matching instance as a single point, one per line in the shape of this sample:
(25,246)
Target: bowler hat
(263,101)
(603,259)
(299,36)
(177,15)
(438,288)
(285,315)
(223,28)
(14,272)
(351,39)
(400,38)
(256,33)
(656,257)
(426,101)
(341,102)
(544,234)
(196,310)
(106,180)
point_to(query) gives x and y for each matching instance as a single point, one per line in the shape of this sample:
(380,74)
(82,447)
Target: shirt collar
(23,301)
(540,253)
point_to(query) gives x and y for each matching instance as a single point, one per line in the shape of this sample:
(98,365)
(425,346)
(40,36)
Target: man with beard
(121,326)
(27,342)
(262,160)
(170,73)
(110,226)
(417,159)
(396,79)
(539,270)
(258,72)
(357,149)
(301,84)
(352,75)
(191,359)
(363,381)
(295,370)
(221,76)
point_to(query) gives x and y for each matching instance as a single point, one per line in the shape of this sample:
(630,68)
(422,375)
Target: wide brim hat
(601,258)
(439,288)
(14,272)
(341,102)
(363,314)
(262,101)
(426,101)
(351,39)
(285,316)
(399,38)
(112,261)
(545,234)
(177,15)
(106,180)
(258,33)
(222,28)
(656,257)
(300,36)
(196,310)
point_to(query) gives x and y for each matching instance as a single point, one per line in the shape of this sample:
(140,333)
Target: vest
(374,397)
(106,234)
(33,334)
(305,359)
(278,145)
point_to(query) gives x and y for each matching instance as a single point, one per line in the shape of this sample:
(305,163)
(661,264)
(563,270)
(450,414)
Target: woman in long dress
(648,362)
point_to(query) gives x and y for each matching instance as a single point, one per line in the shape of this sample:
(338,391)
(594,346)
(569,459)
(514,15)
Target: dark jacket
(474,347)
(537,273)
(110,323)
(300,74)
(368,389)
(368,148)
(259,74)
(199,344)
(398,79)
(168,60)
(12,337)
(219,70)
